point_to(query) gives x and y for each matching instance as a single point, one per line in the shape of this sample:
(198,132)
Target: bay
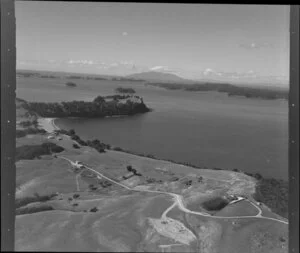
(208,129)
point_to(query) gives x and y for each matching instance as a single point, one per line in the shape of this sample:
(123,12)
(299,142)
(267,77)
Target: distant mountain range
(226,78)
(158,77)
(249,79)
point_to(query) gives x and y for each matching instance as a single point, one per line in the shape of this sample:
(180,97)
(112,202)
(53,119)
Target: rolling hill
(99,206)
(158,76)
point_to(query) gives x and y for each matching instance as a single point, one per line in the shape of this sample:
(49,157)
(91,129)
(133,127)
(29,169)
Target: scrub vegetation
(30,152)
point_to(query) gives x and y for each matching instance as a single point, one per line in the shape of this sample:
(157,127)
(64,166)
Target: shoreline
(48,124)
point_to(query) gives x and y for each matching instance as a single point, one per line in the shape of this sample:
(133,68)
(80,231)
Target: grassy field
(89,215)
(242,208)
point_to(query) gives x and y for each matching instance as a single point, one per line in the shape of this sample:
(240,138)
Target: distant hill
(158,76)
(230,89)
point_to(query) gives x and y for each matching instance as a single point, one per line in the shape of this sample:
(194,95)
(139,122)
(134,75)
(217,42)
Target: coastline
(48,124)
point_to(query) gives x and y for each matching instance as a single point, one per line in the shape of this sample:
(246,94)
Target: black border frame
(294,131)
(8,123)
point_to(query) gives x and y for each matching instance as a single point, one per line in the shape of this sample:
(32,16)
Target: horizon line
(242,82)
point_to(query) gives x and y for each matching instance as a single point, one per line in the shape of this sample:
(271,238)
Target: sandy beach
(48,124)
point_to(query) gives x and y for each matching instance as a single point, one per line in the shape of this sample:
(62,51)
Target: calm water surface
(205,129)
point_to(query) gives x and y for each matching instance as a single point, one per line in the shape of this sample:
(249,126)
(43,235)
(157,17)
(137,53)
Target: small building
(128,175)
(79,165)
(232,197)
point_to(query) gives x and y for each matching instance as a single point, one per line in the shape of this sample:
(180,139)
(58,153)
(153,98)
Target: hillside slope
(105,207)
(158,76)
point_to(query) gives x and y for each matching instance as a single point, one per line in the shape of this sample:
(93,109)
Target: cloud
(28,62)
(126,63)
(102,67)
(159,68)
(21,62)
(51,61)
(165,69)
(255,45)
(114,64)
(121,64)
(36,62)
(80,62)
(124,33)
(208,71)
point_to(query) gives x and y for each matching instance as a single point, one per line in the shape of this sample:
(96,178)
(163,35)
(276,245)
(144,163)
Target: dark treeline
(26,74)
(87,77)
(48,76)
(33,209)
(21,73)
(117,97)
(126,79)
(96,109)
(125,90)
(24,132)
(35,74)
(30,152)
(32,199)
(273,193)
(22,208)
(74,77)
(96,144)
(215,204)
(97,78)
(71,84)
(230,89)
(29,123)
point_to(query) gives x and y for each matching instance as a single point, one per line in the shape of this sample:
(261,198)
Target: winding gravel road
(178,200)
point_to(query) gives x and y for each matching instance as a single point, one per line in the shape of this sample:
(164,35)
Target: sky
(196,41)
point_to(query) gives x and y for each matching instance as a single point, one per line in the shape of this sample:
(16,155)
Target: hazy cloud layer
(255,45)
(165,69)
(129,67)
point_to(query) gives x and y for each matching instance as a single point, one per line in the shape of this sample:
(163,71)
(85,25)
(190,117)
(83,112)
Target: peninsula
(100,107)
(64,182)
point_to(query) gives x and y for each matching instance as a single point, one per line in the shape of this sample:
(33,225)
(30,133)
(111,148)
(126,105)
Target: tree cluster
(22,133)
(231,90)
(274,193)
(96,109)
(96,144)
(33,209)
(134,171)
(125,90)
(71,84)
(30,152)
(215,204)
(29,123)
(36,198)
